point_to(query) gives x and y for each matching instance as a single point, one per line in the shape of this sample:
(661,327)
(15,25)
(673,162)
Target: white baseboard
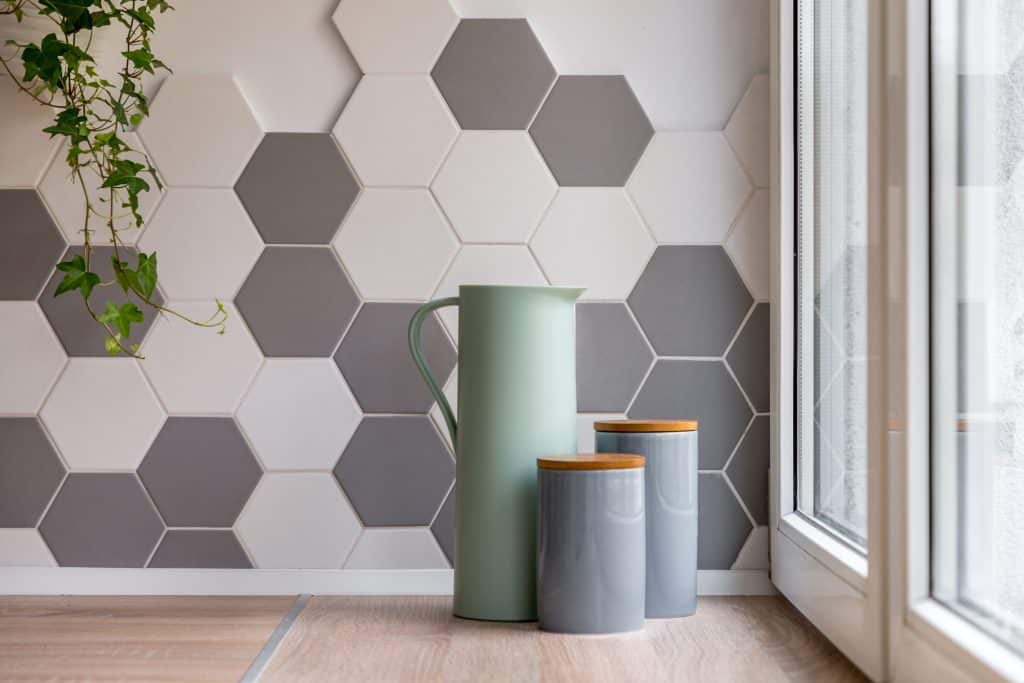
(89,581)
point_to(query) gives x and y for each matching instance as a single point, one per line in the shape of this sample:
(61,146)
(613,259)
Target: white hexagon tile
(395,244)
(24,548)
(397,549)
(748,244)
(749,130)
(26,150)
(30,357)
(395,36)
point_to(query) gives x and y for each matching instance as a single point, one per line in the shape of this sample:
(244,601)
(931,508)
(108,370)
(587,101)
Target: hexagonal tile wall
(32,244)
(285,275)
(200,549)
(199,472)
(298,520)
(210,152)
(101,520)
(396,130)
(451,393)
(486,265)
(755,551)
(724,526)
(585,436)
(494,186)
(396,471)
(76,329)
(674,304)
(297,188)
(748,245)
(26,148)
(197,370)
(24,548)
(494,74)
(701,390)
(214,219)
(395,36)
(749,360)
(747,467)
(612,358)
(396,549)
(375,361)
(443,527)
(395,244)
(299,414)
(30,357)
(591,130)
(64,198)
(749,130)
(593,237)
(689,187)
(30,471)
(81,429)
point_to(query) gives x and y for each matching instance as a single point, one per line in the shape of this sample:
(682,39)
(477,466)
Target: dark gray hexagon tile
(690,301)
(697,390)
(396,471)
(297,188)
(494,74)
(750,359)
(723,526)
(200,549)
(374,358)
(591,130)
(30,471)
(611,357)
(199,471)
(443,527)
(297,301)
(101,520)
(32,244)
(75,328)
(748,469)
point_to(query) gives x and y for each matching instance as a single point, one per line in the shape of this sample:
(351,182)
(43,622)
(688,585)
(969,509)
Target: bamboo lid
(591,461)
(645,426)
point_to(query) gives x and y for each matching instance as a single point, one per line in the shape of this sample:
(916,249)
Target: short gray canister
(670,447)
(590,543)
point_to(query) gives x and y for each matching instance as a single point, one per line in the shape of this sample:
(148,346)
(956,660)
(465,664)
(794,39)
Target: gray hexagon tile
(494,74)
(749,130)
(750,360)
(396,471)
(690,301)
(30,471)
(697,390)
(749,466)
(75,328)
(284,276)
(374,358)
(32,244)
(199,471)
(30,357)
(612,357)
(101,520)
(443,527)
(200,549)
(591,130)
(724,526)
(395,36)
(297,188)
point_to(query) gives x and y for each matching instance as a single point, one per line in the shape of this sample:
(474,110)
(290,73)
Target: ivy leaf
(121,316)
(126,277)
(76,276)
(147,273)
(112,345)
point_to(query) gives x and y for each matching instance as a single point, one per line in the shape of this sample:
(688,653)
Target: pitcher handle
(415,324)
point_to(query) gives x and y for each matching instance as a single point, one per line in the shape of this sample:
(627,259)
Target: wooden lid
(591,461)
(645,426)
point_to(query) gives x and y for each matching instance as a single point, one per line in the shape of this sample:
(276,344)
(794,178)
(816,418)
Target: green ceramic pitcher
(517,402)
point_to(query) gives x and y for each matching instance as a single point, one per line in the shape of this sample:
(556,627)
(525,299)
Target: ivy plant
(92,111)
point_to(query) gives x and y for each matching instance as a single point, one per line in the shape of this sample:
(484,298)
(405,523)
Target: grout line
(259,664)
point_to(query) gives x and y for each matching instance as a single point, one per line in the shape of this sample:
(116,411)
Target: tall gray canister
(670,447)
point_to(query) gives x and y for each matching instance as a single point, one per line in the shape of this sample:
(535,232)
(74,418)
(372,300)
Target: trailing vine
(91,112)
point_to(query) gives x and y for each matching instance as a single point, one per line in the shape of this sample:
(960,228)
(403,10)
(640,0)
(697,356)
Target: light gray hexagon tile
(443,527)
(76,329)
(297,188)
(724,526)
(395,36)
(396,471)
(591,130)
(200,549)
(701,390)
(27,149)
(749,358)
(748,244)
(748,469)
(396,549)
(690,301)
(30,357)
(612,357)
(101,520)
(755,551)
(30,471)
(749,130)
(375,361)
(285,276)
(32,244)
(494,74)
(585,436)
(199,472)
(24,548)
